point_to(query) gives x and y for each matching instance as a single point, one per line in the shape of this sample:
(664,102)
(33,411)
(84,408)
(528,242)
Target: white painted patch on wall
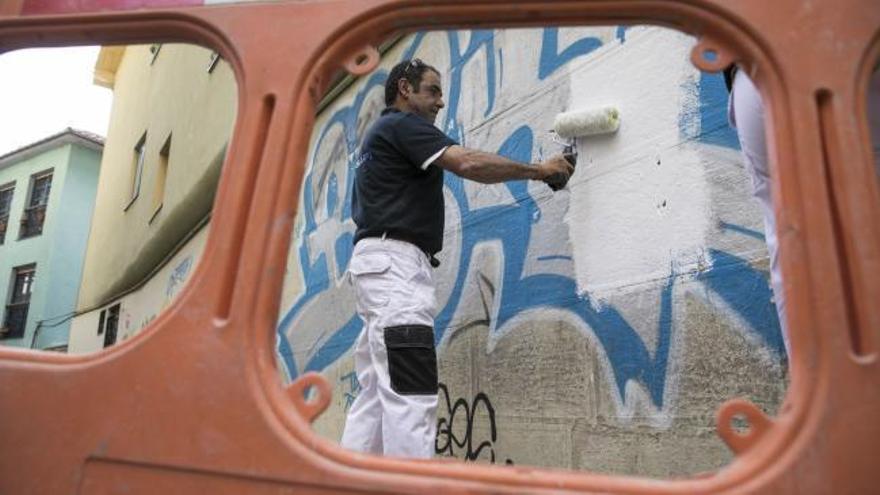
(640,202)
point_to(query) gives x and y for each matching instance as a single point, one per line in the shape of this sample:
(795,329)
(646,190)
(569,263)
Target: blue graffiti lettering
(511,227)
(552,59)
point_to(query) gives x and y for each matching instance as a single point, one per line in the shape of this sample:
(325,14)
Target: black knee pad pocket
(412,360)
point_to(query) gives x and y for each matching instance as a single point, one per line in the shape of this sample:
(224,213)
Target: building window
(35,213)
(5,205)
(111,324)
(101,320)
(19,300)
(161,175)
(137,168)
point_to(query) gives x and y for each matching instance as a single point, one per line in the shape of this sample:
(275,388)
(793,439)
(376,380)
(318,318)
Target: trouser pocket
(412,360)
(370,276)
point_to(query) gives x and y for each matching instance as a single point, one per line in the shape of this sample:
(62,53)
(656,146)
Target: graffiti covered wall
(595,328)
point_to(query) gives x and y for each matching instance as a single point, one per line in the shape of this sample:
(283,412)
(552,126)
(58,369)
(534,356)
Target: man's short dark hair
(412,71)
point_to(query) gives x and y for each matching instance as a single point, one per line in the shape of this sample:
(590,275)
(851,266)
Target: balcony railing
(32,221)
(15,321)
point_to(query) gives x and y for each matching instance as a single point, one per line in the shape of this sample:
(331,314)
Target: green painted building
(47,197)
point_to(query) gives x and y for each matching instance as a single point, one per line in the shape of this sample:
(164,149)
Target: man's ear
(403,87)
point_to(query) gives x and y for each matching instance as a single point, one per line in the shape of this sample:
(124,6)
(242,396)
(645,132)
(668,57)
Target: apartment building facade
(173,110)
(47,196)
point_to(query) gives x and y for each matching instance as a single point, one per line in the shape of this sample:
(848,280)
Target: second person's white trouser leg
(747,115)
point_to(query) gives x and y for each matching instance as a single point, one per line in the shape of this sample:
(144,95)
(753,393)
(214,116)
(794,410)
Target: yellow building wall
(171,94)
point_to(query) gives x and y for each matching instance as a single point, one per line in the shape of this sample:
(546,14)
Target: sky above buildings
(45,90)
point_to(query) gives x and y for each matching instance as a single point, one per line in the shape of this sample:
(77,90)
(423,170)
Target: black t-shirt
(396,189)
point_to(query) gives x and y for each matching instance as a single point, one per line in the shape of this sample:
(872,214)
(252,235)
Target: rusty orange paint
(194,404)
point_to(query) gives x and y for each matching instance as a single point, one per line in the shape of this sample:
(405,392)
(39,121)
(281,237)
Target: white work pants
(746,113)
(395,412)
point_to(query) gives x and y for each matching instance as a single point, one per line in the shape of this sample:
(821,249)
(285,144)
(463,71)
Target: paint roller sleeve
(587,122)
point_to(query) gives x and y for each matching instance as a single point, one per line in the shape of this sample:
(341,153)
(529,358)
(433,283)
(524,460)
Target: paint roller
(581,123)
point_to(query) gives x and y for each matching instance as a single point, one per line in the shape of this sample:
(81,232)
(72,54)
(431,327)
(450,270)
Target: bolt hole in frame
(740,424)
(429,474)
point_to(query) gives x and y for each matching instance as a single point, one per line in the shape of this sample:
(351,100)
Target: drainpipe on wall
(36,331)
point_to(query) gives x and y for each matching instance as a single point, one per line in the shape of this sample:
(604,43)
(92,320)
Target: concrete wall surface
(597,328)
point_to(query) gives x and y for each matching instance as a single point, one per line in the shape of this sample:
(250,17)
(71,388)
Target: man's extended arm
(489,168)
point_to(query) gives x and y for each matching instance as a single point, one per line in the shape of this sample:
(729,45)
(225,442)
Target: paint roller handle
(570,154)
(558,181)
